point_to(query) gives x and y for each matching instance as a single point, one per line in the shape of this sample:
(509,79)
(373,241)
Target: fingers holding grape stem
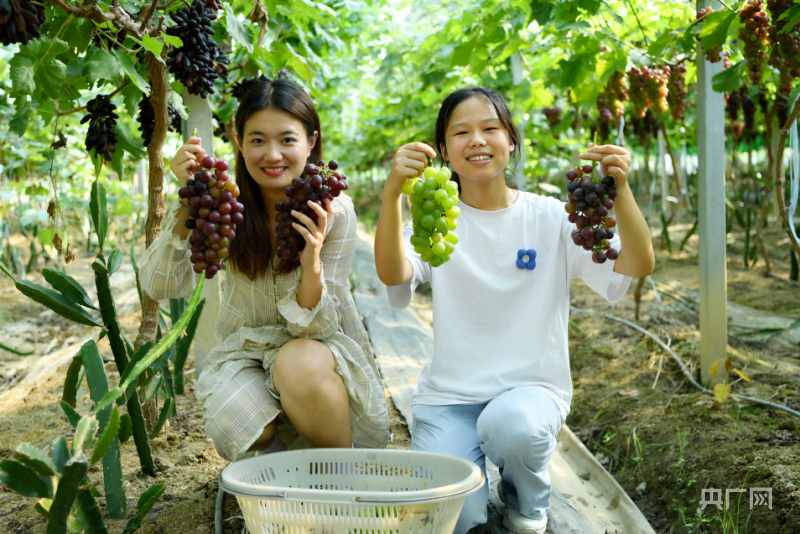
(590,200)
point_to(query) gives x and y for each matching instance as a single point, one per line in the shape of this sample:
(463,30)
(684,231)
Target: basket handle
(419,499)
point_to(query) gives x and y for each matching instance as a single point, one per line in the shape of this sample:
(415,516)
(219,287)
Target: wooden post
(204,340)
(711,213)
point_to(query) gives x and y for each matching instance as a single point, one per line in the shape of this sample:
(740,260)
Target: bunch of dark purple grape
(20,21)
(214,211)
(194,63)
(147,120)
(101,136)
(589,203)
(319,182)
(240,88)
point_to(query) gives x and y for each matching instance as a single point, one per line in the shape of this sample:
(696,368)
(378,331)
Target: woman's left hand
(314,234)
(614,161)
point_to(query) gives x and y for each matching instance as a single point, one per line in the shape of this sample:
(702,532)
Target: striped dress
(256,318)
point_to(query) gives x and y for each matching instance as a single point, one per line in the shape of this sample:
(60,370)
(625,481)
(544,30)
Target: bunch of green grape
(434,212)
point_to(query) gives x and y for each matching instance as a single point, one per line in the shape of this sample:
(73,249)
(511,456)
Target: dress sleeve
(322,321)
(164,268)
(609,284)
(400,295)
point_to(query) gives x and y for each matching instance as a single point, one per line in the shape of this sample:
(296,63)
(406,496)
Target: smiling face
(478,146)
(275,147)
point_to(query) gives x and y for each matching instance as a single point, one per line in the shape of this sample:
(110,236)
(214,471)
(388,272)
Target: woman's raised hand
(614,160)
(314,233)
(186,161)
(409,161)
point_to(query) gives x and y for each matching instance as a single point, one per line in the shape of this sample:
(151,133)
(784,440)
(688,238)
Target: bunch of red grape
(20,21)
(714,55)
(733,105)
(603,107)
(101,136)
(656,87)
(214,211)
(785,55)
(749,112)
(676,91)
(589,203)
(753,34)
(638,91)
(617,91)
(553,115)
(319,182)
(194,63)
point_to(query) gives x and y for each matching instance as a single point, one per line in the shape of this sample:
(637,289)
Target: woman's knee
(526,435)
(266,437)
(302,366)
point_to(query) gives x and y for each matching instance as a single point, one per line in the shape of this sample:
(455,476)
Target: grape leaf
(715,28)
(236,29)
(177,102)
(479,58)
(172,40)
(131,95)
(730,79)
(793,16)
(659,45)
(78,34)
(227,110)
(574,71)
(461,54)
(123,142)
(153,46)
(127,67)
(102,65)
(19,122)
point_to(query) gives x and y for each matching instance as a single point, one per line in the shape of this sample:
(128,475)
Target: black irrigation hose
(677,359)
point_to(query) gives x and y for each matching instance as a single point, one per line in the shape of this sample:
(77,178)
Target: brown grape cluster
(588,207)
(321,181)
(101,136)
(753,34)
(214,211)
(676,91)
(194,63)
(785,55)
(20,21)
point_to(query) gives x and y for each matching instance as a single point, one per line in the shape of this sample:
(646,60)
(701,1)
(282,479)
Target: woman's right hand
(409,161)
(186,161)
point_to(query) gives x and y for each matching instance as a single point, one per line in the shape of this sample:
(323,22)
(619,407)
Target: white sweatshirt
(496,326)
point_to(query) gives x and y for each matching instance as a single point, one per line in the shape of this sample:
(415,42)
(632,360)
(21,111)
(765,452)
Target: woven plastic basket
(351,491)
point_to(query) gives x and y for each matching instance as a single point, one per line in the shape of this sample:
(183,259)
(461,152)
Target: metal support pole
(204,340)
(711,212)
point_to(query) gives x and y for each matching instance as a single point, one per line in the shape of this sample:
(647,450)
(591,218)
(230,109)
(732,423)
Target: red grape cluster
(617,91)
(638,95)
(785,54)
(214,211)
(656,87)
(553,115)
(603,107)
(195,63)
(321,181)
(20,21)
(676,91)
(101,136)
(753,34)
(588,207)
(749,112)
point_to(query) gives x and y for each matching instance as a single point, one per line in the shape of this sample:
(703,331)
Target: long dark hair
(501,107)
(251,251)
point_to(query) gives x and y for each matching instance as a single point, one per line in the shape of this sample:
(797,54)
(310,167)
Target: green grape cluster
(676,91)
(753,34)
(434,212)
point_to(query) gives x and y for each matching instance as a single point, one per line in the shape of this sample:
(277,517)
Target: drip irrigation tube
(682,365)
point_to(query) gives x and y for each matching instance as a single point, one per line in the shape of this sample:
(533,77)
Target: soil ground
(662,439)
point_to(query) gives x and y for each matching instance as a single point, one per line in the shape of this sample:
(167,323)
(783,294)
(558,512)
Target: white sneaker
(519,524)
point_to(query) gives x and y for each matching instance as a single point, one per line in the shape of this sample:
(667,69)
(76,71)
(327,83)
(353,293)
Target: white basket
(351,491)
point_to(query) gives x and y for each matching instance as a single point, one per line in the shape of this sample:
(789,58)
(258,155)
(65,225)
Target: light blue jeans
(516,430)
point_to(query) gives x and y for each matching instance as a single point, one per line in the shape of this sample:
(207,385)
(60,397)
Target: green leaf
(59,452)
(107,437)
(125,143)
(542,11)
(163,416)
(125,428)
(19,123)
(236,29)
(129,69)
(172,40)
(479,58)
(46,236)
(131,95)
(153,45)
(228,109)
(794,325)
(99,267)
(72,416)
(68,286)
(22,479)
(659,45)
(78,34)
(99,210)
(84,433)
(575,71)
(146,502)
(114,261)
(715,28)
(56,302)
(793,16)
(36,459)
(730,79)
(102,65)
